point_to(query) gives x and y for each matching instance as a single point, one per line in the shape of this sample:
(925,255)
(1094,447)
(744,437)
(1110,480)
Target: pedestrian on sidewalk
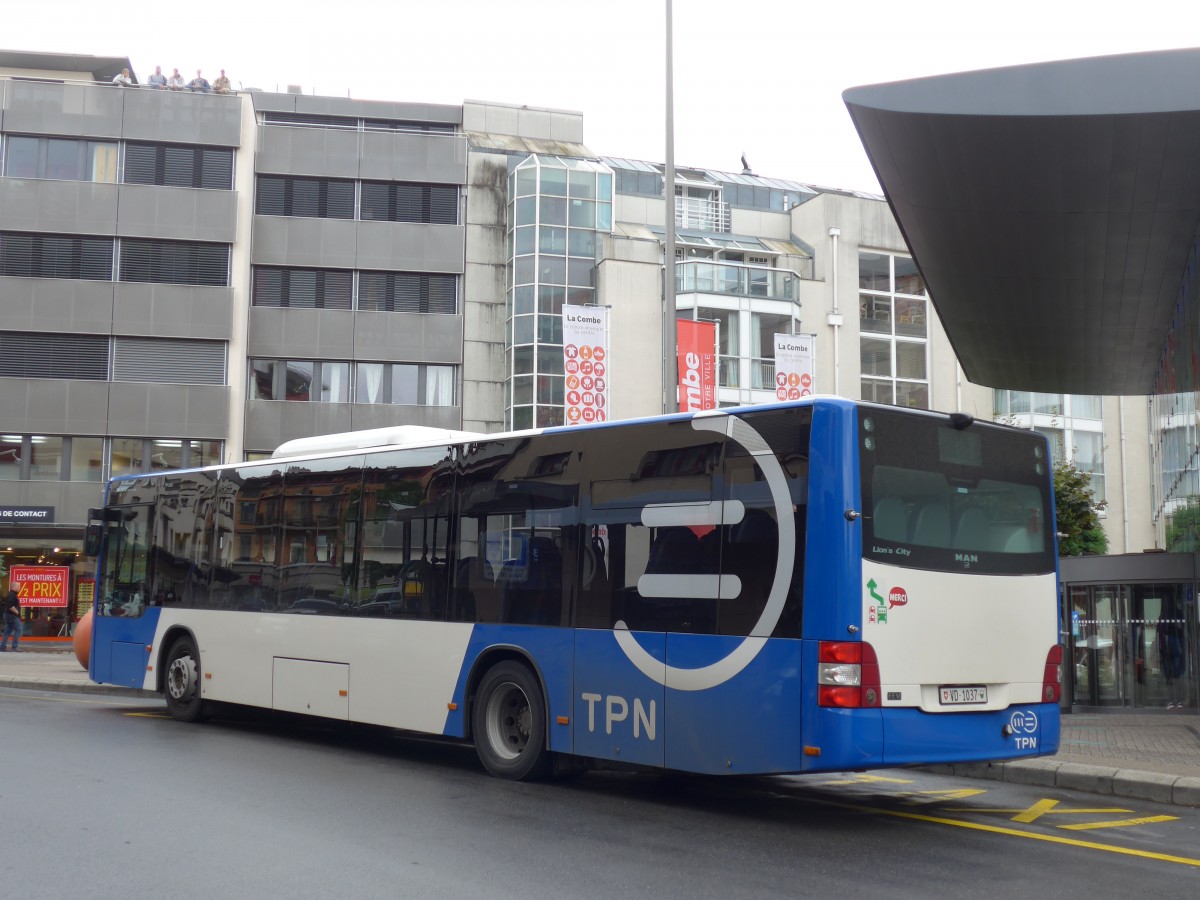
(12,621)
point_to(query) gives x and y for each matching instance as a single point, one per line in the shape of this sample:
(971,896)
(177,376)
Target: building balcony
(706,277)
(702,215)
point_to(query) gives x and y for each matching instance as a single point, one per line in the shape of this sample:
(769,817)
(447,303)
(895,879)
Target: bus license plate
(960,695)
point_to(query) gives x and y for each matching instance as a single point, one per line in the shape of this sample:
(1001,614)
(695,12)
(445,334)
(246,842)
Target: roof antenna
(745,165)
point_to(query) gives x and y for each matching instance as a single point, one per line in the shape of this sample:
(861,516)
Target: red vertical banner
(697,343)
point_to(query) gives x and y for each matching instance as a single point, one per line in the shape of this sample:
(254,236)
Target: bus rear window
(968,499)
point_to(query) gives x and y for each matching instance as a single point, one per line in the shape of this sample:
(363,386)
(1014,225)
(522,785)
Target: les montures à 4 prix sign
(40,585)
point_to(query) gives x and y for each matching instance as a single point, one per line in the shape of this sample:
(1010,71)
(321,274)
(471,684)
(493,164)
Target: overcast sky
(760,77)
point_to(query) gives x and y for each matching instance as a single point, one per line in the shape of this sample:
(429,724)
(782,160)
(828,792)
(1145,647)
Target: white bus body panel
(945,629)
(399,673)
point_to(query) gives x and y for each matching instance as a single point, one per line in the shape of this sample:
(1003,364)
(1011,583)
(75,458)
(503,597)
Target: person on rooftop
(199,84)
(157,81)
(175,82)
(123,80)
(221,84)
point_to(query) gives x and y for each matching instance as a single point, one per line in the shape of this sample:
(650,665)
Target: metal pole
(670,379)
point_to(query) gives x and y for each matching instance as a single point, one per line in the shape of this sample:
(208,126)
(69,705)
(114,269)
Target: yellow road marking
(865,779)
(1013,832)
(1145,820)
(917,797)
(149,715)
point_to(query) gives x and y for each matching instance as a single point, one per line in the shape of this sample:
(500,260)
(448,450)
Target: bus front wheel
(508,722)
(182,681)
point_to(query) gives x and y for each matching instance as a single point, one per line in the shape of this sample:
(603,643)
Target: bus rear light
(1052,675)
(847,675)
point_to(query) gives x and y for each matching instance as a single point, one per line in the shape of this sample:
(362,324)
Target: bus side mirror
(91,540)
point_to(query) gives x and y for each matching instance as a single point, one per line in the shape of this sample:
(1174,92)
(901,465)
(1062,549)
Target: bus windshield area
(927,503)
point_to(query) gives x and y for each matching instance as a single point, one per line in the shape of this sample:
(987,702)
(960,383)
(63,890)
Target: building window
(26,354)
(63,159)
(300,380)
(431,204)
(409,384)
(168,361)
(319,198)
(176,165)
(24,255)
(133,456)
(302,288)
(414,292)
(174,262)
(48,457)
(893,330)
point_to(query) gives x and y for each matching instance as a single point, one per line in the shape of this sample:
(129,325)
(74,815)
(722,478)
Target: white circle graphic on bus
(715,587)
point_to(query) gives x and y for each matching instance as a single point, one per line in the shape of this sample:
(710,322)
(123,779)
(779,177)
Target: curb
(76,687)
(1157,787)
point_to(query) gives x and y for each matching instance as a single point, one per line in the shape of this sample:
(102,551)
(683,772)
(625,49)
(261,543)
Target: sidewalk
(1145,755)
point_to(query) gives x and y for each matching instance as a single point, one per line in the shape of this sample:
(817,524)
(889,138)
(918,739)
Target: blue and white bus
(804,587)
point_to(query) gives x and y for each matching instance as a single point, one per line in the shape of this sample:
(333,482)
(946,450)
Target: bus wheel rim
(181,678)
(508,721)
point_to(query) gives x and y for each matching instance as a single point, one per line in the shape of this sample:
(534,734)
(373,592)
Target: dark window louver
(302,288)
(166,361)
(431,204)
(179,166)
(320,198)
(36,355)
(25,255)
(408,126)
(309,120)
(413,292)
(174,262)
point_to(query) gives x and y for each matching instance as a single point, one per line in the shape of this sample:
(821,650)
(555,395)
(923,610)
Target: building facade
(189,278)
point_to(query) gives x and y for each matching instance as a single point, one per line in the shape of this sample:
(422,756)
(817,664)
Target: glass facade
(893,314)
(557,207)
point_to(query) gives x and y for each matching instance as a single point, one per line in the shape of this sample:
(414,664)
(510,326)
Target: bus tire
(181,682)
(508,723)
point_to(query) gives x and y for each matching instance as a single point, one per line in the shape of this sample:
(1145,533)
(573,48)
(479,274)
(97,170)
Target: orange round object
(83,639)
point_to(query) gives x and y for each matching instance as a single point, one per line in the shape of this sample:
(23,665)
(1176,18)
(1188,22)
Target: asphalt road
(108,797)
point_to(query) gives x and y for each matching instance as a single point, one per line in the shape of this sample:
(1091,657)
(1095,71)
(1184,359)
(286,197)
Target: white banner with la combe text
(793,366)
(585,364)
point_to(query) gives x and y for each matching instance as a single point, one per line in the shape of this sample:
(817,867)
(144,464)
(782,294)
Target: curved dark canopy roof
(1052,209)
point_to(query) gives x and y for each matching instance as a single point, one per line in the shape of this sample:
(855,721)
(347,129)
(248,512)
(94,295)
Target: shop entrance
(1133,645)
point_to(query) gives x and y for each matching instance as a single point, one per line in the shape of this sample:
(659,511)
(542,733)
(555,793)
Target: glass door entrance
(1133,645)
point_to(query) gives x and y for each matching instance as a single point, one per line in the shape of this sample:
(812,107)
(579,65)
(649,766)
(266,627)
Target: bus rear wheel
(508,722)
(181,683)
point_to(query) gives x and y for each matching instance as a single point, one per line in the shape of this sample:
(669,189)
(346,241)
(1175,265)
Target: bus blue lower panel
(912,736)
(118,653)
(748,724)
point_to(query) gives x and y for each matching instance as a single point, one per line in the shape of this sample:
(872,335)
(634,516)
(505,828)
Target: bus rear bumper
(912,737)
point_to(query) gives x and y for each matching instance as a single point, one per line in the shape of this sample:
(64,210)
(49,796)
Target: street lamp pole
(669,393)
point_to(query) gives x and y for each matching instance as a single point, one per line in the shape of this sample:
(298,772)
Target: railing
(702,215)
(703,277)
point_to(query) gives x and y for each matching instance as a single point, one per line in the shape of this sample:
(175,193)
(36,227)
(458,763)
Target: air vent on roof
(294,89)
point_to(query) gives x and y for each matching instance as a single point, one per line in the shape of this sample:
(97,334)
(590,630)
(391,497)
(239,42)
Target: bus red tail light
(1052,676)
(847,675)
